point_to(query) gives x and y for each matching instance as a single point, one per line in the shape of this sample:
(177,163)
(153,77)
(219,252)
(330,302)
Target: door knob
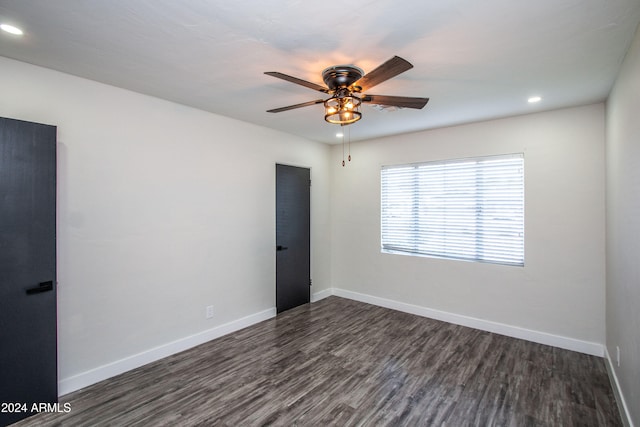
(281,248)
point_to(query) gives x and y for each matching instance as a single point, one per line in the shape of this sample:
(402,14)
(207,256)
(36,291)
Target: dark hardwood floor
(345,363)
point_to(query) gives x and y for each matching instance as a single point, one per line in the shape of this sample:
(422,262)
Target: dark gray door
(28,361)
(293,236)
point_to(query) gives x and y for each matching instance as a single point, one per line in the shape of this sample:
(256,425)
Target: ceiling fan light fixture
(342,109)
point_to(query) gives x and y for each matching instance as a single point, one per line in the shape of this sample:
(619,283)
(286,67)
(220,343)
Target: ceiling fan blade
(297,81)
(293,107)
(389,69)
(396,101)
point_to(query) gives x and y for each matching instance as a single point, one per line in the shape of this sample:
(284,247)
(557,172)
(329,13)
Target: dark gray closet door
(293,236)
(28,343)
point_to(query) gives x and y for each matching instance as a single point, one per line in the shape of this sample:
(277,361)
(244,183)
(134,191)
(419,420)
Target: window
(468,209)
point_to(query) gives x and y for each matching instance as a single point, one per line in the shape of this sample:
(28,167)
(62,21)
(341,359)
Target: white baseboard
(317,296)
(84,379)
(587,347)
(615,385)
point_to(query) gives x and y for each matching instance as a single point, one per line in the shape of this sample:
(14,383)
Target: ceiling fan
(346,84)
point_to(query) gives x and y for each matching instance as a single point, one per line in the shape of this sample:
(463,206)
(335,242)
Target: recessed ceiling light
(339,135)
(534,99)
(11,29)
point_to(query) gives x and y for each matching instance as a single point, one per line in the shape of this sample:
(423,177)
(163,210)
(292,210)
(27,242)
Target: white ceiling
(476,60)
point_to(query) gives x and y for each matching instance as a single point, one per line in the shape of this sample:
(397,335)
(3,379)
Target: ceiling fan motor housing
(341,76)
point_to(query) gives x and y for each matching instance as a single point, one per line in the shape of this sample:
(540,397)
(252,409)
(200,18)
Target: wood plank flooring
(344,363)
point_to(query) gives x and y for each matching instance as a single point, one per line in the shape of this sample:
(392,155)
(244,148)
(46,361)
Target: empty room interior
(291,213)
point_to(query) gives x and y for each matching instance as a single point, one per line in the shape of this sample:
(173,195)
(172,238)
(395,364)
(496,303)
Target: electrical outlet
(618,355)
(209,312)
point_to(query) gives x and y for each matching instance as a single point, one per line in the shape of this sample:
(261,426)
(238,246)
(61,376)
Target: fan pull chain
(345,144)
(349,130)
(343,149)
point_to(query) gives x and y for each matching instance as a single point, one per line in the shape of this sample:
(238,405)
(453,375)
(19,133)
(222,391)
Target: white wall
(560,291)
(623,228)
(162,210)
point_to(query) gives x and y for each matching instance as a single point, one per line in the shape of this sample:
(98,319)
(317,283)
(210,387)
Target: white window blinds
(469,209)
